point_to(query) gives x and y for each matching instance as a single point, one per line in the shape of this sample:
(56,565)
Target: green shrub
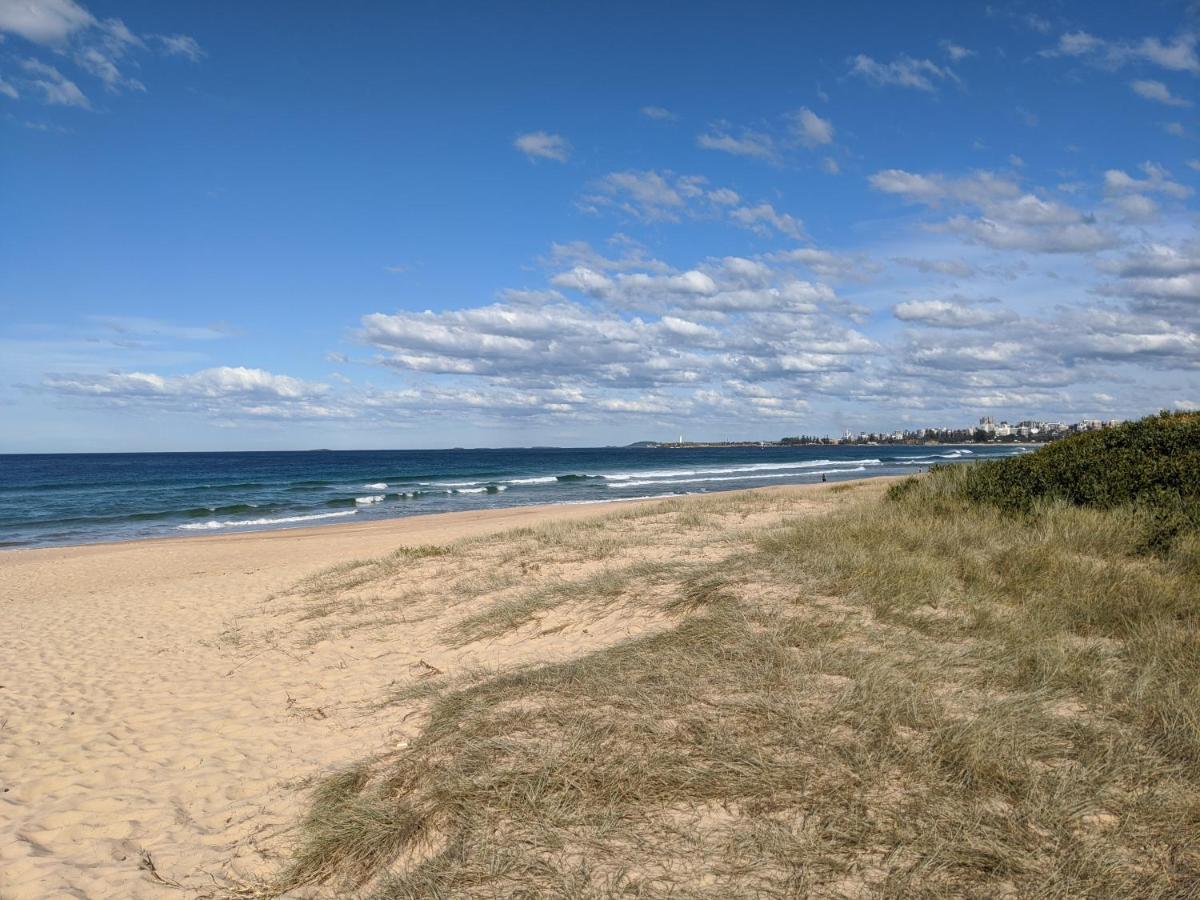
(1152,466)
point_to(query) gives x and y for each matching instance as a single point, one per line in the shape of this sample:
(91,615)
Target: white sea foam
(376,486)
(214,524)
(644,483)
(546,479)
(953,454)
(752,467)
(367,501)
(481,490)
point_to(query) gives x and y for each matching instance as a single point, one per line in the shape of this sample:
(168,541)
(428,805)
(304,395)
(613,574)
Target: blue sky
(241,226)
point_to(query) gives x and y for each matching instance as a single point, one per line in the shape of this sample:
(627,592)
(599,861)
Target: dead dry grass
(832,695)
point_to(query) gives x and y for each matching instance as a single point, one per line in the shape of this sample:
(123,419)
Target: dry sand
(145,751)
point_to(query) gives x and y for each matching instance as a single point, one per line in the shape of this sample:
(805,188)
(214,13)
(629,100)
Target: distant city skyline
(285,226)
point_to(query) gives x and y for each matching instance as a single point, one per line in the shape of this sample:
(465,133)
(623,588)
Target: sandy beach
(155,734)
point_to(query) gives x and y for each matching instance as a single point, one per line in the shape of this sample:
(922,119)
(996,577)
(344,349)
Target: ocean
(59,499)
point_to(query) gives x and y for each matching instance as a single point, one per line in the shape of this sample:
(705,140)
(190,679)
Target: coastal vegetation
(982,682)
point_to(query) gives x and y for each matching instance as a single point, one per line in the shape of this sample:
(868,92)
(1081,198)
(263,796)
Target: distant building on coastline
(1029,431)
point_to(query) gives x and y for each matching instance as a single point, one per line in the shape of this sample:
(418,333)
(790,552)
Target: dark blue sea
(54,499)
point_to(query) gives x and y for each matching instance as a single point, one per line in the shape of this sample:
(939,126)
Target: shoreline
(500,512)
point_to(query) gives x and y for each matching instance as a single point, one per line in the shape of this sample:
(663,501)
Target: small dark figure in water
(823,479)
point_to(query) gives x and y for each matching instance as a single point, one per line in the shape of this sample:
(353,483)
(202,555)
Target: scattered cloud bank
(102,49)
(743,340)
(975,289)
(773,142)
(665,196)
(903,71)
(1177,54)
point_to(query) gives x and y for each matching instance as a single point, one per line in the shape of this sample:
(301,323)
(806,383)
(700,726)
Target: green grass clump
(1152,465)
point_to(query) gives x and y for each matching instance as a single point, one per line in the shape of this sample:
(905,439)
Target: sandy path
(132,723)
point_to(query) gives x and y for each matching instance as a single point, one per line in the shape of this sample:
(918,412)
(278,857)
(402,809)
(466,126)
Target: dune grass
(920,696)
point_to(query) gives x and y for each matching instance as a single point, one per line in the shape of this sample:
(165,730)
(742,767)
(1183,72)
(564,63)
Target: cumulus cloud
(222,391)
(44,21)
(648,195)
(1177,54)
(775,140)
(659,114)
(1158,92)
(1008,218)
(955,313)
(543,145)
(755,144)
(904,71)
(633,338)
(834,266)
(811,130)
(221,381)
(764,218)
(956,52)
(652,196)
(1158,180)
(1160,279)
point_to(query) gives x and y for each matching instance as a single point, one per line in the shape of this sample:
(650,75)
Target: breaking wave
(213,524)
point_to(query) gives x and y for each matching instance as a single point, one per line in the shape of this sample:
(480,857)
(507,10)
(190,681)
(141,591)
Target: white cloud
(755,144)
(956,52)
(1160,279)
(802,128)
(1082,237)
(1178,54)
(811,130)
(647,195)
(956,268)
(764,218)
(1008,219)
(56,88)
(180,45)
(1157,91)
(1136,207)
(543,145)
(734,318)
(834,266)
(950,313)
(904,71)
(652,196)
(9,90)
(1157,180)
(659,114)
(99,47)
(219,391)
(44,21)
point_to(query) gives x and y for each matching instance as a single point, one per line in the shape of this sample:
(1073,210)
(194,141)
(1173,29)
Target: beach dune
(146,745)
